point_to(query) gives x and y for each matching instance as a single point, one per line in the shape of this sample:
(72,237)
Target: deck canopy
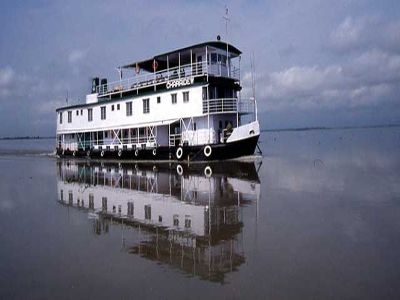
(180,56)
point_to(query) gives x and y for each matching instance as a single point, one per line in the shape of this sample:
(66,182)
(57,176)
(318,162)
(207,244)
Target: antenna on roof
(253,83)
(66,99)
(226,18)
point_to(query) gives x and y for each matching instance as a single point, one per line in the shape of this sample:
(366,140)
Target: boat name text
(179,82)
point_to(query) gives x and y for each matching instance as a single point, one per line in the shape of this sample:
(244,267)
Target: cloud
(371,78)
(6,76)
(348,34)
(75,56)
(368,75)
(353,34)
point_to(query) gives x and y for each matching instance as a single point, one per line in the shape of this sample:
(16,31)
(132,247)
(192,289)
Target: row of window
(129,111)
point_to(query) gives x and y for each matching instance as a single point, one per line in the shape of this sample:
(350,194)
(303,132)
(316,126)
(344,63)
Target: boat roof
(147,64)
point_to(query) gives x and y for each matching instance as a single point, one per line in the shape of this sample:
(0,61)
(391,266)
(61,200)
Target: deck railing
(227,105)
(161,77)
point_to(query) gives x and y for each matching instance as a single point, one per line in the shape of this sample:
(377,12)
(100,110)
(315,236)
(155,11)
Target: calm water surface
(318,216)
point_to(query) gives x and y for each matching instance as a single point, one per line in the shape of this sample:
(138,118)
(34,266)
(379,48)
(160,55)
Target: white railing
(150,79)
(112,144)
(160,77)
(222,105)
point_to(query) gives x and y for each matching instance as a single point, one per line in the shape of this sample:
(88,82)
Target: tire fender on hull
(179,153)
(207,151)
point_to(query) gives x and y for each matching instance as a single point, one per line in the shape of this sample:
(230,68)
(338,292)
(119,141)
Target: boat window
(118,106)
(130,209)
(147,212)
(160,218)
(158,99)
(223,60)
(133,132)
(213,58)
(103,112)
(188,222)
(91,201)
(81,112)
(129,108)
(90,114)
(185,96)
(60,117)
(176,220)
(194,126)
(70,117)
(70,198)
(112,107)
(146,106)
(204,92)
(173,98)
(104,204)
(77,112)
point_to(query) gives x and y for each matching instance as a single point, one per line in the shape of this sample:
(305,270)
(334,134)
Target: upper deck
(176,68)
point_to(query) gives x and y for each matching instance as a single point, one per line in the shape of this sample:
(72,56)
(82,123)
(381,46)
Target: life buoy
(155,65)
(88,153)
(73,153)
(179,153)
(102,153)
(63,152)
(208,171)
(179,169)
(136,152)
(119,152)
(154,152)
(207,151)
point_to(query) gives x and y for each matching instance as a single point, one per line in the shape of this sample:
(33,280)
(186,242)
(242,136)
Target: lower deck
(193,131)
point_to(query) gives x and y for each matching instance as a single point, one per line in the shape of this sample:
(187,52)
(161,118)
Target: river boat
(184,104)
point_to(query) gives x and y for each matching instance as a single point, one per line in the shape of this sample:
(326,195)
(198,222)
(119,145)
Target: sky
(317,63)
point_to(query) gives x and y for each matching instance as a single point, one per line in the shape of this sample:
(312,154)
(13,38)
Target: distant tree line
(27,137)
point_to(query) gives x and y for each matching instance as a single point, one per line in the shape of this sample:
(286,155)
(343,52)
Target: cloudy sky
(318,63)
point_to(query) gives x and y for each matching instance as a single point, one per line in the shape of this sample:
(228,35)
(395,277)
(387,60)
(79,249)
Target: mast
(226,18)
(253,85)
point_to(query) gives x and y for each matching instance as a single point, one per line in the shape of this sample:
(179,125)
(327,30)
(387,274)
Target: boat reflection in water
(187,217)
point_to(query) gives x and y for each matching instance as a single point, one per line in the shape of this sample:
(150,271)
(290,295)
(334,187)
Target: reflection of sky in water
(26,147)
(326,226)
(360,163)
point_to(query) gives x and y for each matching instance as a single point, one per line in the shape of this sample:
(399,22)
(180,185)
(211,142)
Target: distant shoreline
(7,138)
(330,128)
